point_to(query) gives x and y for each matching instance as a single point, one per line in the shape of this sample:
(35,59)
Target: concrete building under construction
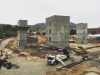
(81,32)
(22,28)
(57,31)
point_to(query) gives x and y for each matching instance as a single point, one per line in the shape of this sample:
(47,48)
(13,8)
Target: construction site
(52,54)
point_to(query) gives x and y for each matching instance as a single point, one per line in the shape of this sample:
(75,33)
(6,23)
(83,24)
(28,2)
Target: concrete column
(22,33)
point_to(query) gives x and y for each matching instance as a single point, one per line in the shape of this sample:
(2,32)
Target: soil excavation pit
(41,53)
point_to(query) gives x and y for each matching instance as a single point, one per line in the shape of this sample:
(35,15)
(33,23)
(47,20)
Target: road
(3,43)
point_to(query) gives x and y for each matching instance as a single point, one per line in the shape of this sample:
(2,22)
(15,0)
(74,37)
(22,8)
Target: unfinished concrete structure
(22,32)
(57,31)
(81,33)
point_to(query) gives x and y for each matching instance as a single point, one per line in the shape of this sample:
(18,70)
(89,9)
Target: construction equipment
(40,41)
(43,39)
(54,59)
(81,51)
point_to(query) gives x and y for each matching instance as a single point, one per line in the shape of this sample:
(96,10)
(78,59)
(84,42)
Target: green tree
(1,35)
(10,33)
(37,33)
(93,32)
(31,30)
(97,38)
(44,33)
(14,29)
(7,31)
(72,32)
(7,27)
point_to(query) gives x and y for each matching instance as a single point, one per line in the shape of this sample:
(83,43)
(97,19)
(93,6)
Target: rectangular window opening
(49,38)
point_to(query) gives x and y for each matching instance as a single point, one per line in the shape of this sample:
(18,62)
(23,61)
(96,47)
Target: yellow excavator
(43,39)
(40,41)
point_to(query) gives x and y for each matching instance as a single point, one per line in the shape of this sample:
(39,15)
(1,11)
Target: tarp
(94,36)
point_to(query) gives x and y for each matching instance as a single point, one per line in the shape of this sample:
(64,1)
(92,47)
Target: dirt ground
(28,67)
(37,67)
(40,67)
(41,53)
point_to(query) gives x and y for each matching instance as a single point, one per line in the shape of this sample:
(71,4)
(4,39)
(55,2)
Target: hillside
(43,26)
(38,25)
(72,25)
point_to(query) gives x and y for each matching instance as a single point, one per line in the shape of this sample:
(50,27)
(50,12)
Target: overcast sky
(35,11)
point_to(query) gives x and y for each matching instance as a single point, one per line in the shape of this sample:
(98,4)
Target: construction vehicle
(79,51)
(55,59)
(43,39)
(40,41)
(82,51)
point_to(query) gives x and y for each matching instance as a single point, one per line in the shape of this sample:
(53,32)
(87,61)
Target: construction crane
(43,39)
(40,41)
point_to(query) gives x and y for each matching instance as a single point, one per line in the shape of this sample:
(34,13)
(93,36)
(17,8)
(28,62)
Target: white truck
(54,59)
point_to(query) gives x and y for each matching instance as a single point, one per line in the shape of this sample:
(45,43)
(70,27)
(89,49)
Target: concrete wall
(32,40)
(57,30)
(22,33)
(81,32)
(22,23)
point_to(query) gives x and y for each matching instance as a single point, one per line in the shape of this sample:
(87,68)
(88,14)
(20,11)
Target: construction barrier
(93,41)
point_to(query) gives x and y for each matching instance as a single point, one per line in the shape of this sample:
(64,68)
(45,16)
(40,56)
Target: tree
(72,32)
(37,33)
(10,33)
(30,31)
(93,32)
(14,29)
(1,35)
(7,31)
(6,27)
(98,38)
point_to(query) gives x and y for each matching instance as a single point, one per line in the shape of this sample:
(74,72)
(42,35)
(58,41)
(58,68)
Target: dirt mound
(13,43)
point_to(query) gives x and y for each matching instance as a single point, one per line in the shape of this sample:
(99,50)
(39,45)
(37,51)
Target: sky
(36,11)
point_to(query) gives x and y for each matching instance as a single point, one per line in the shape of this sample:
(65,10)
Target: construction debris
(30,58)
(15,66)
(13,43)
(8,65)
(75,70)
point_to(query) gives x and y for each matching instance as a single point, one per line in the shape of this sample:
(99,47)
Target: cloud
(35,11)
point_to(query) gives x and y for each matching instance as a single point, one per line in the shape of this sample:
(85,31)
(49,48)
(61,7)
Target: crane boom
(43,40)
